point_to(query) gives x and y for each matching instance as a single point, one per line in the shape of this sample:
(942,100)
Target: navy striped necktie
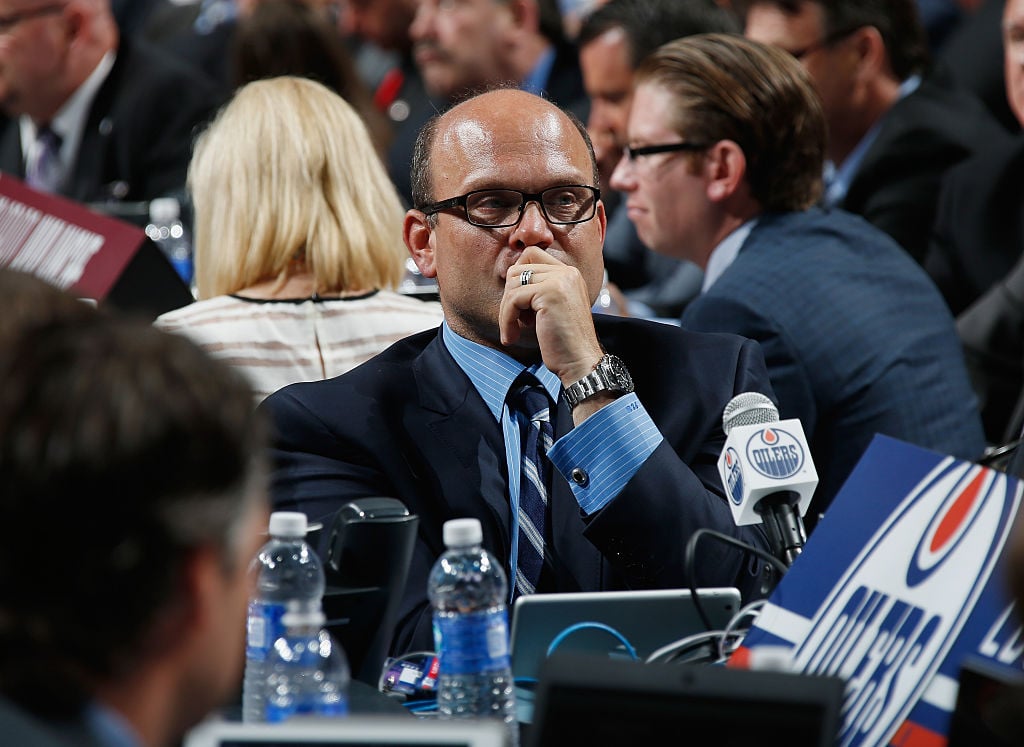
(528,397)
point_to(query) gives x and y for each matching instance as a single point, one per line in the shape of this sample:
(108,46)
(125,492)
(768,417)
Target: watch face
(617,373)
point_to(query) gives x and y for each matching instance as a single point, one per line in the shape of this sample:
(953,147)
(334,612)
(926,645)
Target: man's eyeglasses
(826,41)
(500,208)
(649,150)
(8,22)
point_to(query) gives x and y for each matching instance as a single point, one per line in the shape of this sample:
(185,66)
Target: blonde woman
(298,239)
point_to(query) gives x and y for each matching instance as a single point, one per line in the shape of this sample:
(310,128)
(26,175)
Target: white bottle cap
(300,616)
(288,524)
(462,532)
(164,209)
(772,658)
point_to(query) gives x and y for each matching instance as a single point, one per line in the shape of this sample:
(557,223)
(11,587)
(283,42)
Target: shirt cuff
(600,455)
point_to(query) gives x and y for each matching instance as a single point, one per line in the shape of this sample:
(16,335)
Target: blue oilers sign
(734,475)
(775,453)
(912,590)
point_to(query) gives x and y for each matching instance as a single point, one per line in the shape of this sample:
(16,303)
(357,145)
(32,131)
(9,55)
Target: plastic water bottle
(468,591)
(308,673)
(290,579)
(169,233)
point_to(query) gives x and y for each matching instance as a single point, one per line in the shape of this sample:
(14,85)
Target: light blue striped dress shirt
(609,446)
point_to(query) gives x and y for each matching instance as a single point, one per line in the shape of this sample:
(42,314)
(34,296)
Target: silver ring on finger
(524,277)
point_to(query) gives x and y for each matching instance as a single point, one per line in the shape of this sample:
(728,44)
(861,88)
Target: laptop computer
(590,700)
(354,731)
(589,621)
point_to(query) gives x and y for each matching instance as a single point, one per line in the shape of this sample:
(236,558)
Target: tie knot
(47,137)
(529,396)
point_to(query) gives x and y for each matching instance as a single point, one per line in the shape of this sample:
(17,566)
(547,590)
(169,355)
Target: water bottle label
(472,642)
(263,627)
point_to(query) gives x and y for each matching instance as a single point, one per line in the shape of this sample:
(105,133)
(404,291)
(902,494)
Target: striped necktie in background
(529,397)
(43,168)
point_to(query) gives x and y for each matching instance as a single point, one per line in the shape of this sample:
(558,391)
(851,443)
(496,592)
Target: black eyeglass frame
(824,42)
(527,197)
(8,22)
(649,150)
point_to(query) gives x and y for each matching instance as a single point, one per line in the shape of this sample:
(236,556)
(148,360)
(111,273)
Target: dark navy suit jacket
(896,186)
(857,339)
(979,230)
(409,424)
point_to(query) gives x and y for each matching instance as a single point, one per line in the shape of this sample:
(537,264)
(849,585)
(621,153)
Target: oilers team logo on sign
(734,476)
(894,616)
(775,453)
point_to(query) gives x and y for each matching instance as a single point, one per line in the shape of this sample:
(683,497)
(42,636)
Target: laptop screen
(606,621)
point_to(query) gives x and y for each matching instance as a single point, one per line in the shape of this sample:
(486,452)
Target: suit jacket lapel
(462,442)
(87,181)
(11,159)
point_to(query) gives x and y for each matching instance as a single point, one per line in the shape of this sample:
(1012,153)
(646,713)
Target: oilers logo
(775,453)
(892,619)
(734,476)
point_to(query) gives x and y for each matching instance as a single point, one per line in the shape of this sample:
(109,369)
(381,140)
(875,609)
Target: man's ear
(419,239)
(191,607)
(525,14)
(725,168)
(872,56)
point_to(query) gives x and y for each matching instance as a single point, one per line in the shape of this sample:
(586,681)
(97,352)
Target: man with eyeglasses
(91,115)
(509,221)
(892,134)
(726,144)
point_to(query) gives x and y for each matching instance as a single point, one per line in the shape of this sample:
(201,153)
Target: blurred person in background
(131,469)
(90,114)
(975,253)
(379,32)
(291,37)
(298,239)
(892,132)
(613,41)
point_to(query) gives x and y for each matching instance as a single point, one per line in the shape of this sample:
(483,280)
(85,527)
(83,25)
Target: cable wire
(751,610)
(689,561)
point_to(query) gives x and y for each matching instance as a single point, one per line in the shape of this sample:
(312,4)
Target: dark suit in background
(992,331)
(856,339)
(410,425)
(925,133)
(971,58)
(979,229)
(138,135)
(978,239)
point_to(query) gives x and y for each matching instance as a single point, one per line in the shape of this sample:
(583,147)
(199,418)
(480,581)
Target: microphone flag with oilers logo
(765,459)
(900,583)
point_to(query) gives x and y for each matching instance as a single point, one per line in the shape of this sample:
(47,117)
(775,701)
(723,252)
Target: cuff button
(580,477)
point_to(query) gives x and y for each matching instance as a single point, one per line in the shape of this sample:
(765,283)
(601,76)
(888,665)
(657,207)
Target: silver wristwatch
(611,375)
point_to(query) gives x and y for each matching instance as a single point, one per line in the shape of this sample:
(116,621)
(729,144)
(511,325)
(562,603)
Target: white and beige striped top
(278,342)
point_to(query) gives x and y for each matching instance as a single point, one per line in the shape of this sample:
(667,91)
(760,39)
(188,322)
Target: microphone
(767,471)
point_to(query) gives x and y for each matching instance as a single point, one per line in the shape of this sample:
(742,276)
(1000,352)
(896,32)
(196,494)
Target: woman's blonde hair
(288,171)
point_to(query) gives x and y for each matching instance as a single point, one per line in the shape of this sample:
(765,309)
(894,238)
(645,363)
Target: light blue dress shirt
(109,727)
